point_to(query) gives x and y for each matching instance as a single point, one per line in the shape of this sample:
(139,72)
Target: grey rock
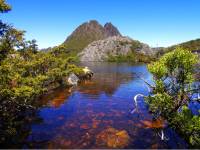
(117,45)
(72,79)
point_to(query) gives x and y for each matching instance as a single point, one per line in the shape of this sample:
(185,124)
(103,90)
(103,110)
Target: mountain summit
(111,30)
(89,32)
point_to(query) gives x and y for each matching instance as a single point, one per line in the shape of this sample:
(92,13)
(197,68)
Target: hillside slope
(192,45)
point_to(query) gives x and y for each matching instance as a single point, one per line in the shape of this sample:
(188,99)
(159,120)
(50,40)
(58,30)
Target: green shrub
(173,78)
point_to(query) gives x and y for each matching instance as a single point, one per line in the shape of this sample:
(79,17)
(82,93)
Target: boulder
(87,74)
(72,79)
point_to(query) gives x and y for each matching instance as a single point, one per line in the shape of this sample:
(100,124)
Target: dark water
(73,118)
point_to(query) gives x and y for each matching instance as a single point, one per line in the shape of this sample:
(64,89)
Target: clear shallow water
(73,118)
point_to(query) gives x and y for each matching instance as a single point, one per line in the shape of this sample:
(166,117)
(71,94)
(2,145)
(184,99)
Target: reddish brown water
(96,112)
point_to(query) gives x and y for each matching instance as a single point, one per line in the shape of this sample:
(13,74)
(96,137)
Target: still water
(86,116)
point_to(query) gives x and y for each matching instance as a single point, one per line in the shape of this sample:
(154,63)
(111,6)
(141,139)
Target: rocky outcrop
(145,49)
(101,49)
(113,46)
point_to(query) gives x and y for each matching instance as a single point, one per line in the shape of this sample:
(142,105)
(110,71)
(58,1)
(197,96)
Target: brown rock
(154,146)
(159,123)
(59,142)
(84,126)
(95,123)
(113,138)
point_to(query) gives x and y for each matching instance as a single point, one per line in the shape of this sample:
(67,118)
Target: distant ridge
(192,45)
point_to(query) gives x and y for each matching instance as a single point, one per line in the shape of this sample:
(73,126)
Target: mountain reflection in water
(78,117)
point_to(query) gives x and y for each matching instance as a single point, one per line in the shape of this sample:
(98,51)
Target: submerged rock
(113,138)
(95,123)
(158,123)
(60,142)
(84,126)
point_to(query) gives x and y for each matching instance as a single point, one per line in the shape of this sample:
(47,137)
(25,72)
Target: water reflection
(104,82)
(79,117)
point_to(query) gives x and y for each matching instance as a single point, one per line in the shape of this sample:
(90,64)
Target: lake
(87,115)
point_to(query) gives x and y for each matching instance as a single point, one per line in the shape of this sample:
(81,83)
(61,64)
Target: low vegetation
(25,74)
(173,93)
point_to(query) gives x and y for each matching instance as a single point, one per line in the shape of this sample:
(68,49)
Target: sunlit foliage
(173,91)
(4,7)
(25,74)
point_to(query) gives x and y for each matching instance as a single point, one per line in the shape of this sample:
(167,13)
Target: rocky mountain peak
(111,30)
(93,22)
(87,28)
(89,32)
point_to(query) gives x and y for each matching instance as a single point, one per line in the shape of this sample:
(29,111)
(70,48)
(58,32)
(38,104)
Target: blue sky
(155,22)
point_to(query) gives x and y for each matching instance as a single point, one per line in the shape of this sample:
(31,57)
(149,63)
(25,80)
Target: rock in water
(158,123)
(86,70)
(88,73)
(113,138)
(73,79)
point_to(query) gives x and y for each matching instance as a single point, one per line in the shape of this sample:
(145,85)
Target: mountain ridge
(88,32)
